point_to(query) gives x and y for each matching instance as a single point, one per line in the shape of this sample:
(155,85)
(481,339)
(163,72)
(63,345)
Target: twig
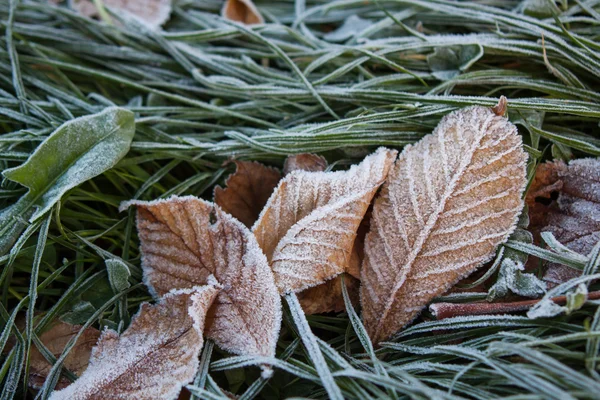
(449,310)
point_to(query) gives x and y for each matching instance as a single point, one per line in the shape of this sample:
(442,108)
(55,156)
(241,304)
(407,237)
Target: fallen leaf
(181,248)
(448,202)
(573,217)
(308,227)
(154,358)
(328,296)
(247,191)
(152,12)
(243,11)
(304,162)
(55,340)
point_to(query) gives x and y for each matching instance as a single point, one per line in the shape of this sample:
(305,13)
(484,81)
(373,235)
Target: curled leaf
(154,358)
(308,227)
(247,191)
(243,11)
(152,12)
(565,200)
(55,339)
(448,202)
(304,162)
(182,248)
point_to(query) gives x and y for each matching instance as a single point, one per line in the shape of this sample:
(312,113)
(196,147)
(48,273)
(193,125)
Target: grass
(206,90)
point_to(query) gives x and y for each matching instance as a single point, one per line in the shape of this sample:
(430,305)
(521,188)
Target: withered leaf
(308,227)
(55,339)
(152,12)
(305,162)
(155,356)
(181,248)
(243,11)
(247,191)
(448,202)
(574,217)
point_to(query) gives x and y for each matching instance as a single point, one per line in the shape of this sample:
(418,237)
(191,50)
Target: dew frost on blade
(308,227)
(154,358)
(448,202)
(185,240)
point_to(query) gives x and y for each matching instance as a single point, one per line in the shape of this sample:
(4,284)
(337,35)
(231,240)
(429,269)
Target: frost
(448,202)
(304,162)
(243,11)
(187,242)
(547,308)
(162,337)
(512,279)
(308,227)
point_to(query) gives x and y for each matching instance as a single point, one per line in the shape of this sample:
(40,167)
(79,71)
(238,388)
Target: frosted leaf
(153,12)
(156,355)
(305,162)
(55,339)
(182,248)
(247,191)
(546,308)
(243,11)
(513,279)
(308,227)
(574,217)
(448,202)
(328,296)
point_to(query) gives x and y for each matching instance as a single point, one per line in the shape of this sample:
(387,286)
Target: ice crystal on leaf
(154,357)
(304,162)
(184,241)
(152,12)
(309,225)
(448,202)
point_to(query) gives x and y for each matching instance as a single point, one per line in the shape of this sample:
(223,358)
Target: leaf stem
(450,310)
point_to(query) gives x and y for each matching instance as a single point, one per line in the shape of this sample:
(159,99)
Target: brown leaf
(574,217)
(539,198)
(154,358)
(55,340)
(181,248)
(243,11)
(448,202)
(305,162)
(247,191)
(328,297)
(308,227)
(153,12)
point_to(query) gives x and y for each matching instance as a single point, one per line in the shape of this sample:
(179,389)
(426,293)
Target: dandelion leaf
(155,356)
(186,240)
(448,202)
(247,191)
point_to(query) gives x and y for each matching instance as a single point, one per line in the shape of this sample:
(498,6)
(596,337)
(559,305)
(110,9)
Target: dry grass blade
(243,11)
(448,202)
(55,340)
(247,191)
(308,228)
(304,162)
(162,337)
(182,248)
(152,12)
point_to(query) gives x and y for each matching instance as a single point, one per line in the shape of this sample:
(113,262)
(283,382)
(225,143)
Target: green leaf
(118,275)
(75,152)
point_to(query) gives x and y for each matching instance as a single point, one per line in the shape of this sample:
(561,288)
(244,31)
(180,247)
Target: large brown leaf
(152,12)
(573,217)
(448,202)
(247,191)
(154,358)
(308,227)
(181,248)
(55,340)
